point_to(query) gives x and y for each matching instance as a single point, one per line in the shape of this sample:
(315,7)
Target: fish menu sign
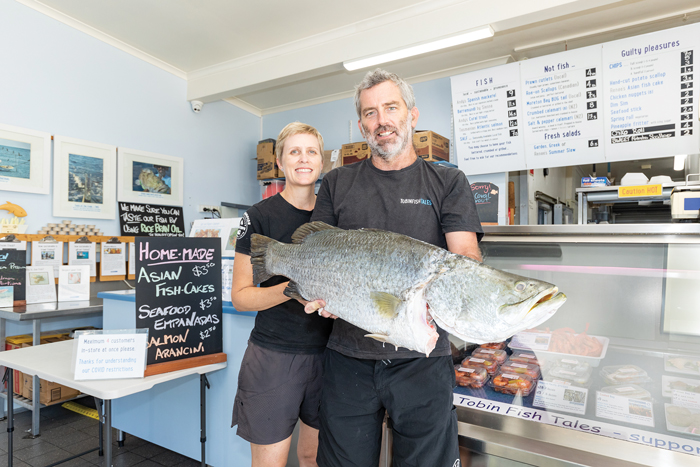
(178,297)
(149,220)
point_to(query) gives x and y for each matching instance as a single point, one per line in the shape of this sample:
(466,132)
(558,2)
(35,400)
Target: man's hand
(317,305)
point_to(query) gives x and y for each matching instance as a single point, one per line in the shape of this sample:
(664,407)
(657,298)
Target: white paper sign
(73,283)
(225,229)
(47,254)
(531,340)
(624,409)
(226,279)
(110,356)
(488,118)
(132,259)
(113,259)
(651,100)
(687,399)
(13,245)
(561,397)
(563,121)
(82,253)
(41,286)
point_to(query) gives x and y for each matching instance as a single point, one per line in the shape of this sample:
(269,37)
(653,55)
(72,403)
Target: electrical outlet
(208,208)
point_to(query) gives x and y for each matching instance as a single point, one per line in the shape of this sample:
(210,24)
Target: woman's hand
(317,305)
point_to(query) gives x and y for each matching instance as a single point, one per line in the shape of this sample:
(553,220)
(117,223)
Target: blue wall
(59,80)
(332,119)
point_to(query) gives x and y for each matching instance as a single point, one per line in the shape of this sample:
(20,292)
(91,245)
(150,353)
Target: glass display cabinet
(613,378)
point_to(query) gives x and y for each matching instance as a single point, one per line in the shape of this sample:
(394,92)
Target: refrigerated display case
(619,362)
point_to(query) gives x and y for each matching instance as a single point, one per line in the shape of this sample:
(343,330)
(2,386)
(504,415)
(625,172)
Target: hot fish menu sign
(178,296)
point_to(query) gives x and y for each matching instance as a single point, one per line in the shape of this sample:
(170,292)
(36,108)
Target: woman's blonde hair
(296,128)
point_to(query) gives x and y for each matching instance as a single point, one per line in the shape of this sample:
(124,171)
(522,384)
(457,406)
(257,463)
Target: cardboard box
(267,162)
(331,160)
(17,342)
(49,393)
(594,181)
(431,146)
(354,152)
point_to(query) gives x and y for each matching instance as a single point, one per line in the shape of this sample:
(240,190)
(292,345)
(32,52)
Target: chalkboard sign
(486,199)
(178,297)
(149,220)
(13,276)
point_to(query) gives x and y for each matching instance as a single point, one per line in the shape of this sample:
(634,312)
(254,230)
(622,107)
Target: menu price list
(487,115)
(562,124)
(649,87)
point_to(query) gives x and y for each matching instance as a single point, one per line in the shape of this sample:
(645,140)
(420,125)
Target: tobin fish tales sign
(178,296)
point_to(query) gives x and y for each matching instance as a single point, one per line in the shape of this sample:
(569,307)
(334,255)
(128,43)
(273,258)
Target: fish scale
(381,281)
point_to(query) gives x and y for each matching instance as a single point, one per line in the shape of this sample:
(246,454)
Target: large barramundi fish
(382,281)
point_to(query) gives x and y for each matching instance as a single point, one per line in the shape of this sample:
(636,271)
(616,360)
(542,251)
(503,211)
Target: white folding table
(53,362)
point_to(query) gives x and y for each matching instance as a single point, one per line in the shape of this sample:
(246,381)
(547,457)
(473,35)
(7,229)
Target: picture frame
(146,177)
(85,179)
(25,160)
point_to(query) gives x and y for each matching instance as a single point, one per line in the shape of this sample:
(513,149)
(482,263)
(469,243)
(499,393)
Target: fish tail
(258,251)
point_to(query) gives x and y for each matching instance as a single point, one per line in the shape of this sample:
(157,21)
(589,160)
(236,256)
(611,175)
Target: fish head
(480,304)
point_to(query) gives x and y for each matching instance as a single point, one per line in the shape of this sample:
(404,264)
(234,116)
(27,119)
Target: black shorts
(276,389)
(415,392)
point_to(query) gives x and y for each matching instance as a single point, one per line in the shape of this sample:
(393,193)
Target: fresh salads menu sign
(178,297)
(148,220)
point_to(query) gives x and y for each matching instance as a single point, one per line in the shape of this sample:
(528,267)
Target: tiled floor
(65,433)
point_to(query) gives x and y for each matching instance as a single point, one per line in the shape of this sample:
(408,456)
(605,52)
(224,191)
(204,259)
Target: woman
(280,377)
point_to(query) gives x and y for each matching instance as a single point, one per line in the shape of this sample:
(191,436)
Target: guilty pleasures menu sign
(178,296)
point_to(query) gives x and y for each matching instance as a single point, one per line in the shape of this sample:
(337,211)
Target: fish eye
(520,286)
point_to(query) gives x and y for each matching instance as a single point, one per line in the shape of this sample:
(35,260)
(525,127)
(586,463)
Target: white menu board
(487,118)
(563,121)
(650,90)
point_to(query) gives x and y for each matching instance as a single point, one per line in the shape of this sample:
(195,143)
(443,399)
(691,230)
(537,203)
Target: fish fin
(292,291)
(386,304)
(379,337)
(258,251)
(307,229)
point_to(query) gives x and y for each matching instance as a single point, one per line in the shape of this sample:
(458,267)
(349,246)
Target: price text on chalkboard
(148,220)
(178,296)
(13,270)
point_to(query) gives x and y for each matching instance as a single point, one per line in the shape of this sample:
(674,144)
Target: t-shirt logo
(457,463)
(423,201)
(243,227)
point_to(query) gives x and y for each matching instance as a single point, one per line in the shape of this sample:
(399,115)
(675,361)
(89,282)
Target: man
(397,191)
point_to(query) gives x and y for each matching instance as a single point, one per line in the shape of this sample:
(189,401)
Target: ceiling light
(469,36)
(679,162)
(645,166)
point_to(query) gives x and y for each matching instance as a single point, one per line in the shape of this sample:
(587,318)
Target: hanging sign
(148,220)
(178,296)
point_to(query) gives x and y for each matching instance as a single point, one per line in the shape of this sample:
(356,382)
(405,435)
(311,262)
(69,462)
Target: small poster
(74,283)
(132,259)
(7,296)
(624,409)
(110,354)
(82,253)
(113,259)
(561,397)
(486,199)
(149,220)
(13,264)
(48,254)
(225,229)
(226,279)
(13,245)
(41,286)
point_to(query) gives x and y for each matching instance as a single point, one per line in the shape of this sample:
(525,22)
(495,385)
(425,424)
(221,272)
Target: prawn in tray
(565,341)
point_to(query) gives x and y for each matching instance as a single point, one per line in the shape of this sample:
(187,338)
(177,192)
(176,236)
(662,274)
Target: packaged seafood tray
(682,364)
(524,357)
(491,366)
(624,374)
(548,355)
(682,419)
(509,383)
(631,391)
(494,346)
(670,383)
(530,369)
(490,354)
(471,377)
(576,376)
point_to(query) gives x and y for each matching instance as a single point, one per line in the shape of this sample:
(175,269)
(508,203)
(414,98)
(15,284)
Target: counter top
(51,310)
(130,296)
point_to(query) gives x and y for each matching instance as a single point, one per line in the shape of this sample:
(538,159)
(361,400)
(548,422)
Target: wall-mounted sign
(148,220)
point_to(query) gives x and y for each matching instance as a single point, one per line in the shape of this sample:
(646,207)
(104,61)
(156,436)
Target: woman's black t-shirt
(285,327)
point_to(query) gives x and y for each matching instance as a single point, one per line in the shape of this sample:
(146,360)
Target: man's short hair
(378,76)
(296,128)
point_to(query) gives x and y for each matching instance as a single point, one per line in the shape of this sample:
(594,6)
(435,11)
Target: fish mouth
(544,297)
(514,313)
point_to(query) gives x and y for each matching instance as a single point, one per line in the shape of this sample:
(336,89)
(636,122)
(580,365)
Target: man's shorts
(274,390)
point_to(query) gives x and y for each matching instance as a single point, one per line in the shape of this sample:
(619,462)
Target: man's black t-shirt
(423,201)
(285,327)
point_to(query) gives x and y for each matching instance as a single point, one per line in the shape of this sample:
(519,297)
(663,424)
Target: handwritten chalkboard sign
(13,276)
(149,220)
(486,199)
(178,298)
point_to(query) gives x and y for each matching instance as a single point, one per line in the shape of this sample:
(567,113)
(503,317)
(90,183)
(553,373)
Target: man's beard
(388,151)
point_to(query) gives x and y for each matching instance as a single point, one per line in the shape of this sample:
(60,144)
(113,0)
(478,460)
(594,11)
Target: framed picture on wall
(84,179)
(25,160)
(146,177)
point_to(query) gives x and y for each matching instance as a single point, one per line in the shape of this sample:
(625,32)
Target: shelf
(29,404)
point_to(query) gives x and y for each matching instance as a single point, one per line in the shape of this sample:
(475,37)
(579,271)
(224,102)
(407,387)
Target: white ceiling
(272,55)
